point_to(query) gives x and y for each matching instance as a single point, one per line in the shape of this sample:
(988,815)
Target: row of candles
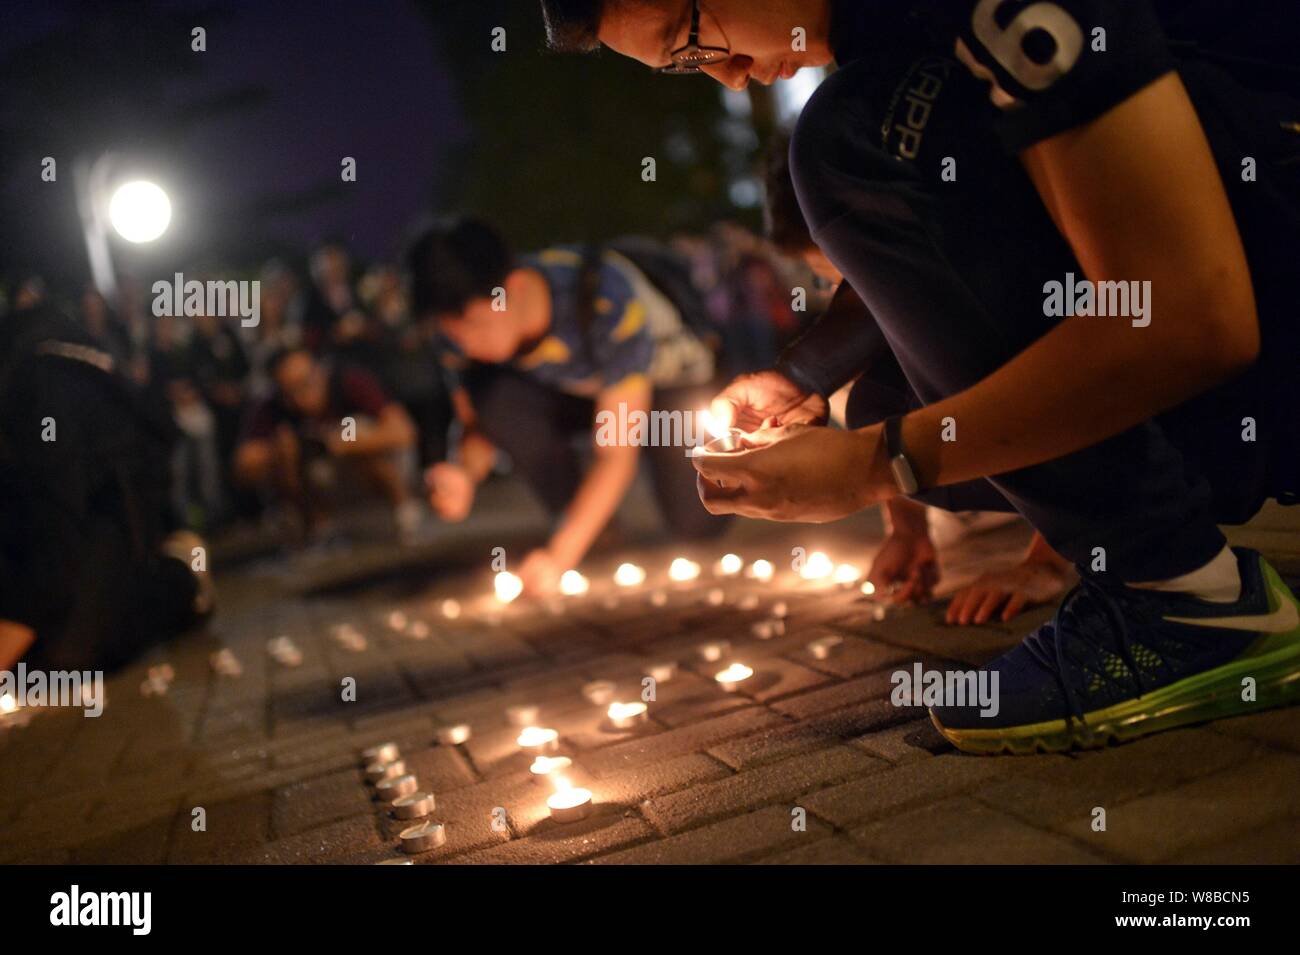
(817,566)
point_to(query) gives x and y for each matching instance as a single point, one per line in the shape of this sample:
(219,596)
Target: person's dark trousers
(83,516)
(954,273)
(544,432)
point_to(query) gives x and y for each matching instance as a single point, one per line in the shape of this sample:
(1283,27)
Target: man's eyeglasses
(689,58)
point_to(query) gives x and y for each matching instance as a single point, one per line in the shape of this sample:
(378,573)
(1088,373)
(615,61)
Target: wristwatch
(899,462)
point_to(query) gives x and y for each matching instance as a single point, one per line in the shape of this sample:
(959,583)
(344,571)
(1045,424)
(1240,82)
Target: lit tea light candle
(543,768)
(383,753)
(823,647)
(414,806)
(846,574)
(508,586)
(418,630)
(629,575)
(522,714)
(573,583)
(713,651)
(762,570)
(450,608)
(878,613)
(386,790)
(748,602)
(397,621)
(7,702)
(734,675)
(599,692)
(868,588)
(423,837)
(662,672)
(730,565)
(569,803)
(716,597)
(816,567)
(658,599)
(624,716)
(682,570)
(780,609)
(454,735)
(377,771)
(538,740)
(763,629)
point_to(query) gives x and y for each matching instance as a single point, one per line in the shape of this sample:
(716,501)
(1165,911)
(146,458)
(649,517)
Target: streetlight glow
(140,211)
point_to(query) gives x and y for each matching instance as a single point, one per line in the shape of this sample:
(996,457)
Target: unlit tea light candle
(423,837)
(414,806)
(396,787)
(383,753)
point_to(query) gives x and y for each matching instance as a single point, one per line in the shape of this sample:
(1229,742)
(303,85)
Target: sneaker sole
(1215,694)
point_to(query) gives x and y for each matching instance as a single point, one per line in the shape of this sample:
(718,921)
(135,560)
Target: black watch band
(899,463)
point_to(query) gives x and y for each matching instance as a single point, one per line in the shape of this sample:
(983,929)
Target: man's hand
(796,473)
(451,491)
(766,399)
(540,572)
(909,562)
(1038,579)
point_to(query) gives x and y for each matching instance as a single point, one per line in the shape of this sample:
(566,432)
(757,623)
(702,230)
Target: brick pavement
(807,763)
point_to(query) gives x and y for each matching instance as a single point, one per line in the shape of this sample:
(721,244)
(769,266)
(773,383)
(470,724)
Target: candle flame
(717,425)
(683,569)
(450,609)
(573,583)
(733,673)
(730,564)
(618,711)
(846,574)
(868,588)
(508,586)
(629,575)
(817,567)
(536,736)
(7,702)
(762,570)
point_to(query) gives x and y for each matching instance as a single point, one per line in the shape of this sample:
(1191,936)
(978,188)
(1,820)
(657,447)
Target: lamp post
(138,210)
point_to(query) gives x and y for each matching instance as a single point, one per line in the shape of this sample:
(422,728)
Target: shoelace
(1084,596)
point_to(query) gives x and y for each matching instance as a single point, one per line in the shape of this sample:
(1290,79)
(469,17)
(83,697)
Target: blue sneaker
(1116,663)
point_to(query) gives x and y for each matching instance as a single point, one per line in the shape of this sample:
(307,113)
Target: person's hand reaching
(451,491)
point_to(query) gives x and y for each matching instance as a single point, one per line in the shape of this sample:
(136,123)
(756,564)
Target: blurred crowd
(350,324)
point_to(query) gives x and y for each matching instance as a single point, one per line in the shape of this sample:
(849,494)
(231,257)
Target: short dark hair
(455,261)
(572,25)
(783,220)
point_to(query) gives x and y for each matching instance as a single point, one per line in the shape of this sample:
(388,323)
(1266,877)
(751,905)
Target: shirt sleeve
(627,347)
(1053,65)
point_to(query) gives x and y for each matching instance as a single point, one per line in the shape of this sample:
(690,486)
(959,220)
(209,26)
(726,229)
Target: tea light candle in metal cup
(733,440)
(846,575)
(626,716)
(386,790)
(868,588)
(683,569)
(823,647)
(662,672)
(377,770)
(539,740)
(629,575)
(733,676)
(523,714)
(454,735)
(414,806)
(713,651)
(507,586)
(572,583)
(817,566)
(600,692)
(762,570)
(423,837)
(569,803)
(729,565)
(397,621)
(544,768)
(383,753)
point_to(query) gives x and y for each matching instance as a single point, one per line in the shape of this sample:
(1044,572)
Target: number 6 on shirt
(1007,44)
